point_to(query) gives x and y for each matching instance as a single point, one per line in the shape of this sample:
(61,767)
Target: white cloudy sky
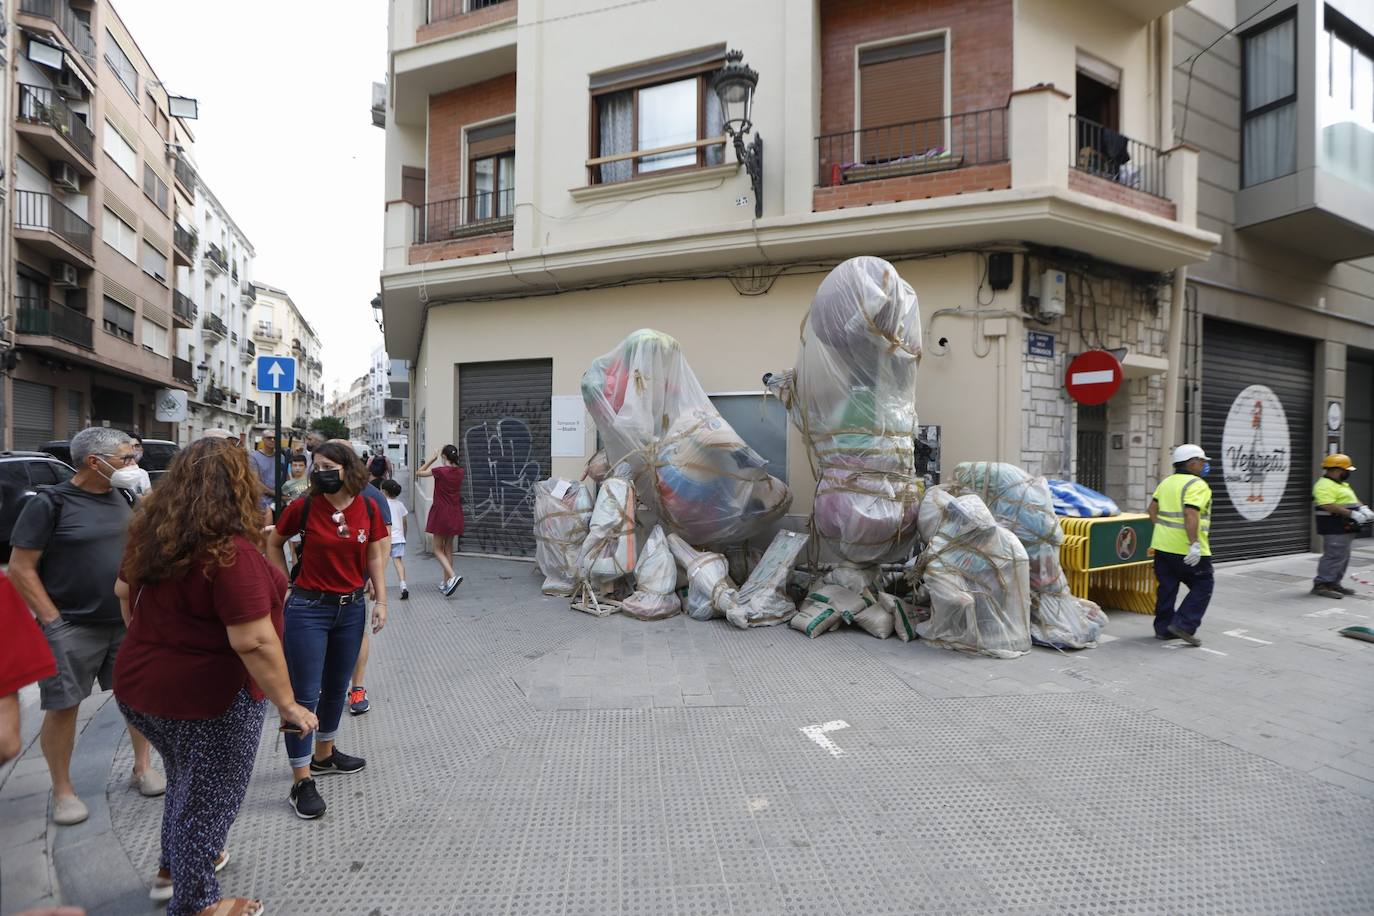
(286,142)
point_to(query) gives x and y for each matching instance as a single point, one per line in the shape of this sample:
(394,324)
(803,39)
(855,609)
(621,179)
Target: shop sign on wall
(1256,453)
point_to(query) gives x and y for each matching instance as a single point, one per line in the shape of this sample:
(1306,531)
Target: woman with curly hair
(343,546)
(203,608)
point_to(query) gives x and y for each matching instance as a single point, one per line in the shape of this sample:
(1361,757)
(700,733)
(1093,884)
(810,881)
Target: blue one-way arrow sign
(276,374)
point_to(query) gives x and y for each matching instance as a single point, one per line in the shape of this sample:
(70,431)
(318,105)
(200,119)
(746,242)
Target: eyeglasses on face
(121,459)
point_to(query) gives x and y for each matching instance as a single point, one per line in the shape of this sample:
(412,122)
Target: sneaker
(405,594)
(1343,590)
(1184,635)
(162,888)
(1165,636)
(69,810)
(357,701)
(150,783)
(451,586)
(305,799)
(1326,590)
(337,762)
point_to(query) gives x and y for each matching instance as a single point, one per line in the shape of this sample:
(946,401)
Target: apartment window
(666,106)
(1346,109)
(491,170)
(119,319)
(1269,101)
(118,149)
(119,235)
(155,337)
(154,262)
(119,62)
(902,83)
(155,114)
(155,187)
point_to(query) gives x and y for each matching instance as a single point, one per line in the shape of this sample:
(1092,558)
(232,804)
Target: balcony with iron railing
(249,351)
(265,331)
(184,243)
(182,370)
(183,308)
(1105,154)
(249,292)
(215,395)
(46,220)
(55,128)
(76,32)
(213,324)
(185,175)
(484,213)
(216,258)
(42,318)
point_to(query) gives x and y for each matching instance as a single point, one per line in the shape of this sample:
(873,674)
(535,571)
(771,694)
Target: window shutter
(413,185)
(899,84)
(490,140)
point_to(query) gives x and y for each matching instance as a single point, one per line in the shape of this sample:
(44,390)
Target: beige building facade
(279,329)
(558,176)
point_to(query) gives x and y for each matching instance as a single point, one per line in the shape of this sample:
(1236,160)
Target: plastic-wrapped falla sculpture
(690,466)
(853,396)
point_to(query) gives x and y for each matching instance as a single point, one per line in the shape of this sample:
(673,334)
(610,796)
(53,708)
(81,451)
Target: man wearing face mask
(68,544)
(1339,517)
(1181,510)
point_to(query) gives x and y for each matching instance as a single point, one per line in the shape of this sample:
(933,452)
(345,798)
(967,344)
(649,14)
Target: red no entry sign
(1093,377)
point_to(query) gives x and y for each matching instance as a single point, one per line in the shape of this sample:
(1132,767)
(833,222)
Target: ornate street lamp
(734,85)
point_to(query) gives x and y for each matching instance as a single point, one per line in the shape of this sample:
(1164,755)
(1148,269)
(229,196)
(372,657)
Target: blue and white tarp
(1077,501)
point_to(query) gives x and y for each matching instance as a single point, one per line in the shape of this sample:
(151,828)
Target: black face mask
(327,481)
(1344,475)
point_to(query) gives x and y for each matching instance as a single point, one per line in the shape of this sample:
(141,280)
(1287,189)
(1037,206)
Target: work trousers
(208,763)
(321,643)
(1335,558)
(1171,572)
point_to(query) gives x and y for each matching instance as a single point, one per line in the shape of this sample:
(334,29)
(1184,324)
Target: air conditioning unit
(64,274)
(69,86)
(65,176)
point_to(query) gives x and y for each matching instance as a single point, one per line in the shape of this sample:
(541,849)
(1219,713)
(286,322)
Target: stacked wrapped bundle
(562,510)
(710,590)
(608,553)
(1024,505)
(852,394)
(655,596)
(704,483)
(976,574)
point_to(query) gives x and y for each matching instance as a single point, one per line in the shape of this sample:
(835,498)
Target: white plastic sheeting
(562,510)
(692,469)
(710,590)
(1024,505)
(977,575)
(655,596)
(852,393)
(608,553)
(763,599)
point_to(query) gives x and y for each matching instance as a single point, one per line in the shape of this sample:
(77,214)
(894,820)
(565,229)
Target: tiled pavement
(528,759)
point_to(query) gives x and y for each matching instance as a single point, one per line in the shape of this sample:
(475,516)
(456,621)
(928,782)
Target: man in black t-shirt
(68,545)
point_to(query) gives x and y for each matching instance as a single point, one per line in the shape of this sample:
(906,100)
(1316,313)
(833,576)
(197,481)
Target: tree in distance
(330,427)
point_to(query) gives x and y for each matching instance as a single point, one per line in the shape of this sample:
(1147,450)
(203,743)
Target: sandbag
(710,591)
(977,576)
(852,393)
(562,511)
(693,470)
(1023,504)
(655,596)
(876,620)
(763,599)
(905,615)
(608,553)
(825,608)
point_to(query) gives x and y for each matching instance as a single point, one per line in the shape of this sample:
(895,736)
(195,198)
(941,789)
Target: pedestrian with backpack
(67,545)
(379,469)
(344,543)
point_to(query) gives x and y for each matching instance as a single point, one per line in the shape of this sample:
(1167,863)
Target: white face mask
(125,478)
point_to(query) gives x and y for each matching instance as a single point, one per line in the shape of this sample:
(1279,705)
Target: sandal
(161,889)
(234,906)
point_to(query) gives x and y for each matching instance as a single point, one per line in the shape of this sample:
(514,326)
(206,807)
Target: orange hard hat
(1338,461)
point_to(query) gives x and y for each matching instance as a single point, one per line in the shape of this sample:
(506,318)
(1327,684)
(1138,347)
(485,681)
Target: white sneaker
(451,586)
(69,810)
(150,783)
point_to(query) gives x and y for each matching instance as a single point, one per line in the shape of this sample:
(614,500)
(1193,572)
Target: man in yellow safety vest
(1181,511)
(1339,517)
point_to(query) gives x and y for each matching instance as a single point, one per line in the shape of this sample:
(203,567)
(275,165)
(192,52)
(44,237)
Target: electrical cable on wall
(1192,62)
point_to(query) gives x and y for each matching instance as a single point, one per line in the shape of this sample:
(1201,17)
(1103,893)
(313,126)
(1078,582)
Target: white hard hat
(1188,452)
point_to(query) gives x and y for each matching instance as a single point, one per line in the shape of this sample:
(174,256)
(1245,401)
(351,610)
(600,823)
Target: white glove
(1194,556)
(1362,515)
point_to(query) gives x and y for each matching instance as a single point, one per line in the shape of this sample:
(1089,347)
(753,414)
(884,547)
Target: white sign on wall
(568,427)
(1256,453)
(170,406)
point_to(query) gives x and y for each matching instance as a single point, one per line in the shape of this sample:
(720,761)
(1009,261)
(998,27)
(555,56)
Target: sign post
(1093,377)
(276,376)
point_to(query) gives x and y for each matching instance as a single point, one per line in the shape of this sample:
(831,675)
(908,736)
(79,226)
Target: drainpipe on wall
(1172,376)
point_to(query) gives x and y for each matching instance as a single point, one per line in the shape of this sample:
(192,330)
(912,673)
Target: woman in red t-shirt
(203,609)
(344,545)
(445,520)
(24,659)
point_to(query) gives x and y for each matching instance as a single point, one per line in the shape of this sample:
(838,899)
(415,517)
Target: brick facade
(913,187)
(466,22)
(449,113)
(461,248)
(980,49)
(1120,194)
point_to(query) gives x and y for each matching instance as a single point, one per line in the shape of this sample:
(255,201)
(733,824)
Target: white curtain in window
(715,126)
(615,116)
(1270,139)
(1269,65)
(1271,145)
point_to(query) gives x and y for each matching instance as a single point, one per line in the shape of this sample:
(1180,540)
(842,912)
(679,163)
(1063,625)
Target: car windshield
(157,455)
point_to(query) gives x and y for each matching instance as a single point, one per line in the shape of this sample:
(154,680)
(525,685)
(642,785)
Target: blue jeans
(1172,572)
(321,643)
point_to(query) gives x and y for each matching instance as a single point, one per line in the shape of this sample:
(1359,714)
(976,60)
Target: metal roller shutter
(503,429)
(1257,428)
(33,414)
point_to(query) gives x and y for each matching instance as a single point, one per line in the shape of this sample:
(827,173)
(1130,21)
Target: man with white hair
(68,545)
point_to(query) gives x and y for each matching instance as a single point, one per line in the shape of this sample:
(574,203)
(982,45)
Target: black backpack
(305,523)
(56,500)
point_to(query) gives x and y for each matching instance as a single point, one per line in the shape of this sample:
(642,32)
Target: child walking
(392,489)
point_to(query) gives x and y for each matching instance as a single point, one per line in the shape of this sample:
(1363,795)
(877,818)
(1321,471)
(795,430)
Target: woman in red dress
(445,520)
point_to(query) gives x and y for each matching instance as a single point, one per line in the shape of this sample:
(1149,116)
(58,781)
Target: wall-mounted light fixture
(734,85)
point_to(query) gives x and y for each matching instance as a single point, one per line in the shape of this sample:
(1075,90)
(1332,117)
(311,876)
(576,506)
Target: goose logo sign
(1256,453)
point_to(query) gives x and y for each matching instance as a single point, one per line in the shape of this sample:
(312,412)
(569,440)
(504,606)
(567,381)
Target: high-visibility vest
(1328,492)
(1173,493)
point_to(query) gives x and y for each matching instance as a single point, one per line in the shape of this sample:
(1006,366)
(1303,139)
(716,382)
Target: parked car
(21,474)
(157,454)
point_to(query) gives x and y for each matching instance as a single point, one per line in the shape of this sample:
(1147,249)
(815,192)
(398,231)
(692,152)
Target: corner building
(557,176)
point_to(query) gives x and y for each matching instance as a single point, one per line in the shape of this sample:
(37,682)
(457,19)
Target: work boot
(1342,589)
(1327,590)
(1184,635)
